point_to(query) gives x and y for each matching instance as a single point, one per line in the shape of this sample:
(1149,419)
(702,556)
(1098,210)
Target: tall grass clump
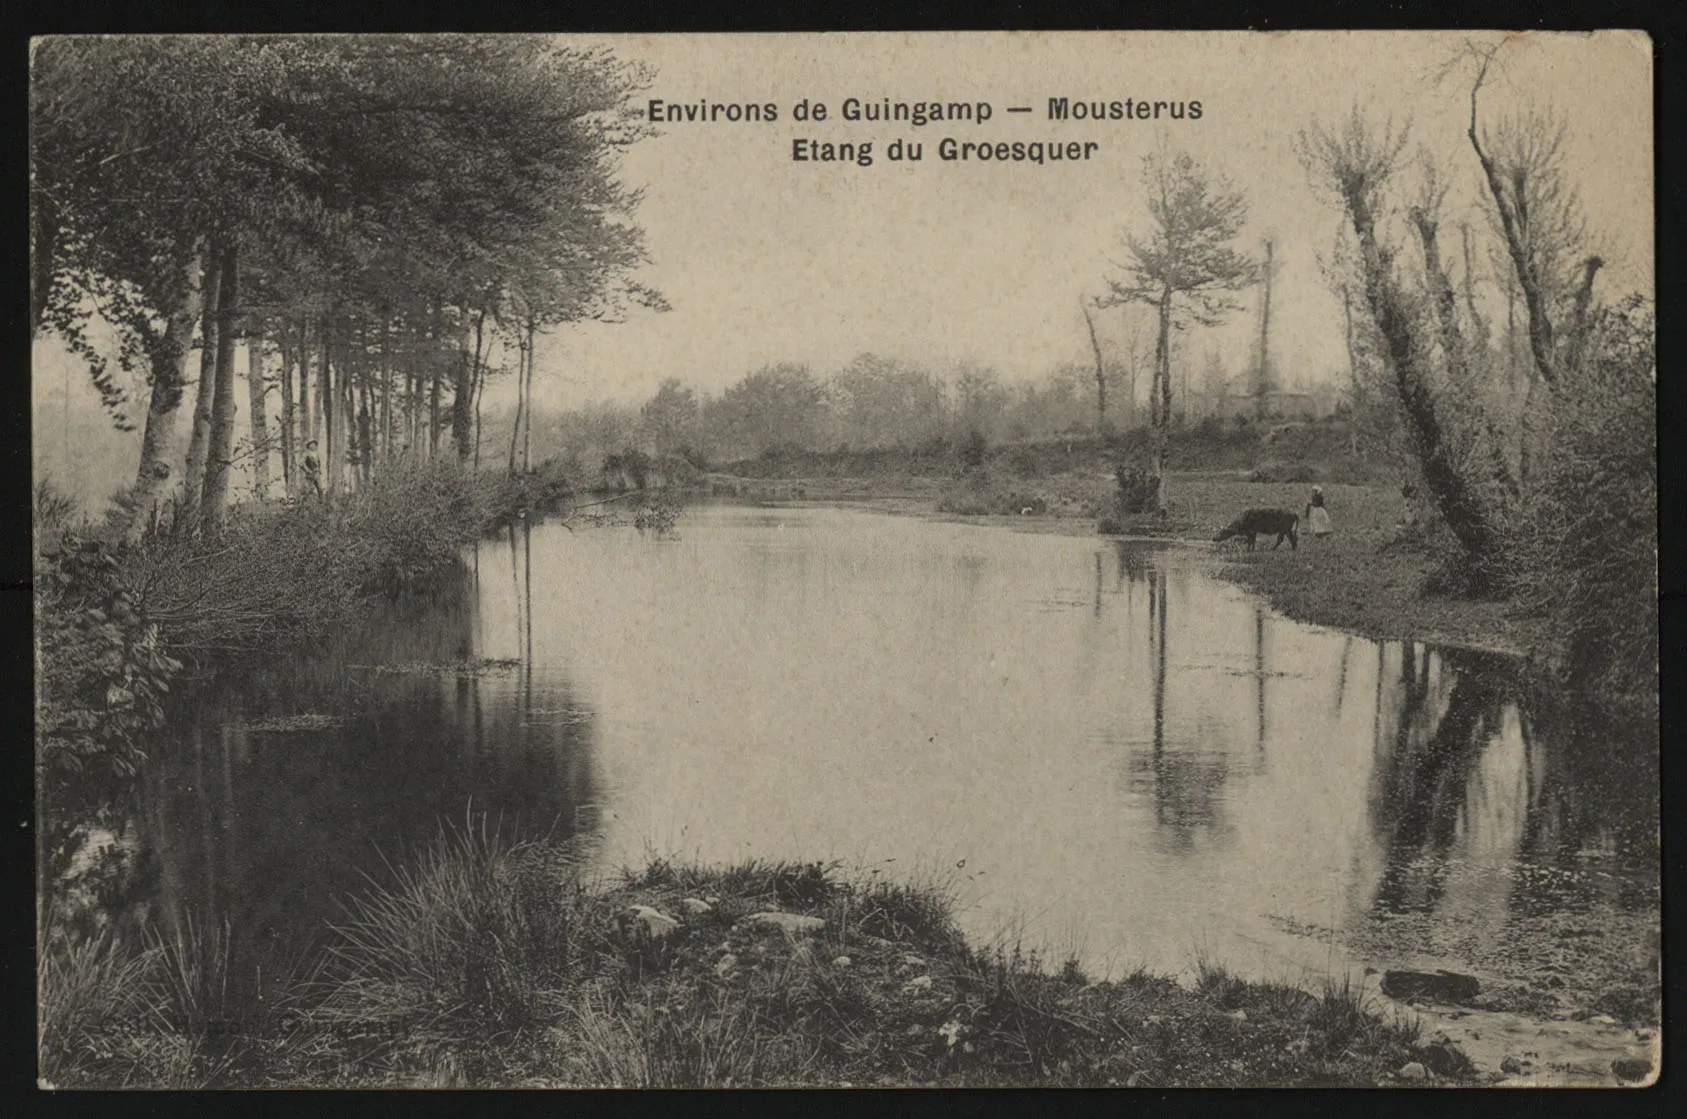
(152,1010)
(477,937)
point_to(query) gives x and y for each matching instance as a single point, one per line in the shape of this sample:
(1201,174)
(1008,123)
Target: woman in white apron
(1317,517)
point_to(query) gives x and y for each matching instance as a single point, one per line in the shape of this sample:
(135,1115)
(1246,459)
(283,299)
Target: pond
(1101,747)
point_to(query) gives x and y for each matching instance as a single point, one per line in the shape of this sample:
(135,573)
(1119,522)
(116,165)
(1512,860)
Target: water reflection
(279,793)
(1098,743)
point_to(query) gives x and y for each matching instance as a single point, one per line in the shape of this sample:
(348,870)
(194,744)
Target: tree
(394,194)
(1353,164)
(670,418)
(777,405)
(1184,268)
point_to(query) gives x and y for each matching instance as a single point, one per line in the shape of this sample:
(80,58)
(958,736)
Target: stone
(1444,1058)
(1632,1070)
(791,924)
(917,984)
(640,922)
(724,966)
(1603,1020)
(1411,1070)
(1438,986)
(695,907)
(1239,1015)
(842,961)
(1511,1066)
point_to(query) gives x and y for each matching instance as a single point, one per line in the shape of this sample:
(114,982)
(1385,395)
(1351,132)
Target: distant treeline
(872,402)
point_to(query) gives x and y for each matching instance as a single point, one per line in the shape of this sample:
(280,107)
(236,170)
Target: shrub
(1585,542)
(1139,490)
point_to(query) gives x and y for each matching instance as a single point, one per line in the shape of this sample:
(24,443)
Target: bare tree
(1354,163)
(1184,268)
(1539,213)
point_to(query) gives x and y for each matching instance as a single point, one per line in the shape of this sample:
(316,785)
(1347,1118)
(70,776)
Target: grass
(488,962)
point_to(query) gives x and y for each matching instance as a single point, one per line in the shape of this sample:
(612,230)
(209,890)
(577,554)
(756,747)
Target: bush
(1585,542)
(1139,490)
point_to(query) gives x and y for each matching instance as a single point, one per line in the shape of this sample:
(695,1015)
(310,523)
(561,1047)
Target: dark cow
(1264,522)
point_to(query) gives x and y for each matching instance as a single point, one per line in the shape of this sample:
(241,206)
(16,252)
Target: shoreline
(1353,581)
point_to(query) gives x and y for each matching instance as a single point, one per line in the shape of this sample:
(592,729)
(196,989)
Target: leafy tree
(1184,267)
(671,418)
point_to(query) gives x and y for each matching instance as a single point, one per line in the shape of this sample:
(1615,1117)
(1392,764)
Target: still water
(1098,745)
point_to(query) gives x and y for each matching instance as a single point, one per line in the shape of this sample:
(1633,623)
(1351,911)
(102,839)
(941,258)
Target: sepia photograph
(850,560)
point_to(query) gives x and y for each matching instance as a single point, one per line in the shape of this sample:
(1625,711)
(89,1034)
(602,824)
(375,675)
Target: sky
(765,259)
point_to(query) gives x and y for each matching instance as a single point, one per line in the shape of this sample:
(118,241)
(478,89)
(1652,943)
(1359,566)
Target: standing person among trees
(313,471)
(1317,517)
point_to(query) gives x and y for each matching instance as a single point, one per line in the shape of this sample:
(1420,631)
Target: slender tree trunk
(169,369)
(1100,371)
(1352,369)
(527,429)
(347,405)
(478,386)
(220,451)
(287,416)
(328,407)
(193,479)
(43,241)
(520,401)
(1162,413)
(386,384)
(307,424)
(259,416)
(433,408)
(462,398)
(1262,375)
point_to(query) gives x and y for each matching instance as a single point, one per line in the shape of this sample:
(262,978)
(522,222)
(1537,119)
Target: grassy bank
(496,964)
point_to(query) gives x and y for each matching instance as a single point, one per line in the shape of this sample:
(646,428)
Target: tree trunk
(258,415)
(1457,356)
(220,448)
(1262,376)
(434,386)
(386,383)
(307,430)
(1534,300)
(462,399)
(43,241)
(1162,412)
(1459,507)
(1100,371)
(478,384)
(193,479)
(168,357)
(287,445)
(527,430)
(328,407)
(520,400)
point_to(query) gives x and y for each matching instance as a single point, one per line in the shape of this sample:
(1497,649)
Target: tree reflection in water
(278,793)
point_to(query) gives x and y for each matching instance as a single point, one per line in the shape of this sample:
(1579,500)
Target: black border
(1662,20)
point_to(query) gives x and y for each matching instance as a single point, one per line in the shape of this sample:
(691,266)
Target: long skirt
(1320,521)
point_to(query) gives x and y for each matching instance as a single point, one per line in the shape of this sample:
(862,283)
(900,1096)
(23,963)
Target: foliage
(1185,262)
(1586,538)
(102,677)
